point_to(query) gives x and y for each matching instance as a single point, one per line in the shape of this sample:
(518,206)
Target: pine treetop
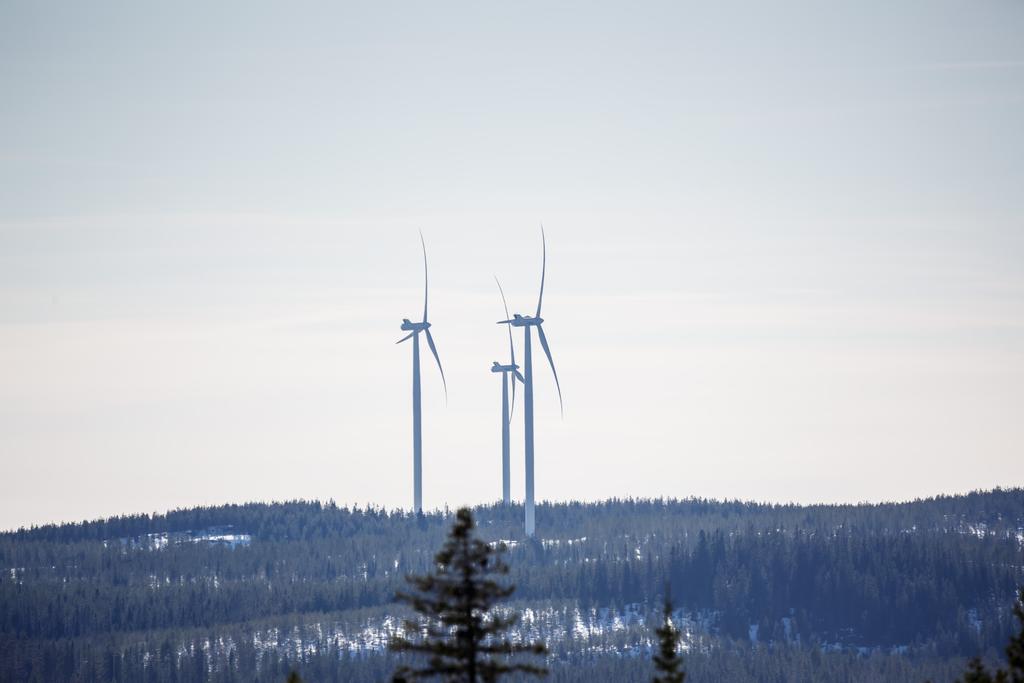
(667,661)
(463,635)
(976,671)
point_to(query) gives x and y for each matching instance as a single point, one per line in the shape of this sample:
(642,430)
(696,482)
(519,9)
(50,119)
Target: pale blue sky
(786,248)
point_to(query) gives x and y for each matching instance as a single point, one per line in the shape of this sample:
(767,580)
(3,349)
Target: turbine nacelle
(409,326)
(498,367)
(518,320)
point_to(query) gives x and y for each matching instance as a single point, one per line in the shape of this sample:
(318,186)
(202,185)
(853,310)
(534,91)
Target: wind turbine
(414,330)
(527,322)
(506,411)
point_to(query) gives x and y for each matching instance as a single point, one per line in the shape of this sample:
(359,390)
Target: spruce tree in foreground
(976,671)
(465,640)
(667,661)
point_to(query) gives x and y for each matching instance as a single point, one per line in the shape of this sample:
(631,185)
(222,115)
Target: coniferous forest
(895,592)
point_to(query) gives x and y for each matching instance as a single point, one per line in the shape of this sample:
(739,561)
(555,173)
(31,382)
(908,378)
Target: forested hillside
(765,592)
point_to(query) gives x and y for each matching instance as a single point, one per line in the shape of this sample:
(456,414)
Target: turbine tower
(506,411)
(527,322)
(414,330)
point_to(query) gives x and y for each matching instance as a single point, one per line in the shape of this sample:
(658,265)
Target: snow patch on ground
(974,620)
(222,536)
(598,630)
(555,542)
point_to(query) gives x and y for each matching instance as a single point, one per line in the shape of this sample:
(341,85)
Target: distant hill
(246,592)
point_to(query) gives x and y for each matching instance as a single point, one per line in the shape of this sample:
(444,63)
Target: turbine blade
(504,322)
(408,336)
(433,350)
(547,352)
(502,292)
(425,287)
(511,347)
(543,268)
(520,377)
(512,409)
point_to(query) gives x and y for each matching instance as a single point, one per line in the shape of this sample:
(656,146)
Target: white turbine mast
(527,322)
(509,375)
(414,330)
